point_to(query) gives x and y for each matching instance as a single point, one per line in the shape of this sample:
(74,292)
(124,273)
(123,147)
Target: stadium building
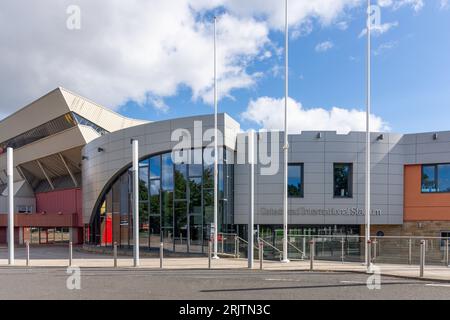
(72,162)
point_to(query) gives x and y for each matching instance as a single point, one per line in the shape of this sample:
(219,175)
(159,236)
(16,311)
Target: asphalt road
(50,283)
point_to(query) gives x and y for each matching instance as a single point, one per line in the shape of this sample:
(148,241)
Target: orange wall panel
(420,206)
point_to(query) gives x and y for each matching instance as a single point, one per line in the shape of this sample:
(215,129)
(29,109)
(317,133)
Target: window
(435,178)
(445,236)
(25,209)
(343,180)
(49,128)
(295,180)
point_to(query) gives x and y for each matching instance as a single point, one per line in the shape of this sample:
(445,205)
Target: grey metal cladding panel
(159,137)
(405,149)
(395,179)
(314,167)
(305,157)
(349,220)
(275,188)
(306,146)
(375,189)
(433,147)
(341,157)
(341,202)
(278,178)
(308,199)
(396,169)
(312,178)
(374,158)
(378,148)
(401,158)
(334,137)
(433,158)
(428,137)
(314,188)
(241,189)
(381,219)
(395,219)
(304,136)
(268,199)
(376,168)
(409,139)
(394,138)
(395,199)
(308,220)
(396,209)
(341,147)
(158,126)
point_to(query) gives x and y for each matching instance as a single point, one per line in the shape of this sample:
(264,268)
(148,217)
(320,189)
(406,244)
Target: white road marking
(438,285)
(290,280)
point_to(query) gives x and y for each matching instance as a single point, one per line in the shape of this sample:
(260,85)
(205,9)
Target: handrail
(362,237)
(280,253)
(270,245)
(300,251)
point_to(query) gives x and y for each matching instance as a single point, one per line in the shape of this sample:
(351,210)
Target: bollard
(70,253)
(209,254)
(304,248)
(374,250)
(28,253)
(312,253)
(342,249)
(422,257)
(410,252)
(221,241)
(369,252)
(115,254)
(235,247)
(238,247)
(161,254)
(446,250)
(261,255)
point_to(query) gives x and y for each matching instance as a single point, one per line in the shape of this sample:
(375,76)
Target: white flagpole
(286,143)
(135,158)
(368,102)
(10,173)
(216,151)
(251,221)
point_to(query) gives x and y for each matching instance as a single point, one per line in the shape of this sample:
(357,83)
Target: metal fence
(344,248)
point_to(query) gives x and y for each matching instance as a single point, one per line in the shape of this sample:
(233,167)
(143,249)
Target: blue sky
(152,59)
(411,73)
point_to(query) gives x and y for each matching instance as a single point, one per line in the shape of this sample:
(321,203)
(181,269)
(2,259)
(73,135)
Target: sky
(153,59)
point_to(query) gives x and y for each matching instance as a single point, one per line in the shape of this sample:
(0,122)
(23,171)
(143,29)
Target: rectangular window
(167,172)
(155,167)
(295,180)
(445,235)
(343,180)
(435,178)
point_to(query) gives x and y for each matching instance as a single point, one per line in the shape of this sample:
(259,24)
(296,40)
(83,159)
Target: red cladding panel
(63,201)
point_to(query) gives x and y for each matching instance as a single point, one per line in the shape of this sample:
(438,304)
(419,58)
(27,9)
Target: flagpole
(368,106)
(286,143)
(216,151)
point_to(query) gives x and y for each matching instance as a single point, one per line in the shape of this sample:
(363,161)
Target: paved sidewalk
(57,257)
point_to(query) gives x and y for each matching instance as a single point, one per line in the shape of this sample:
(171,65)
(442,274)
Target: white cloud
(127,50)
(268,113)
(324,46)
(378,30)
(342,25)
(382,48)
(158,103)
(444,4)
(416,5)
